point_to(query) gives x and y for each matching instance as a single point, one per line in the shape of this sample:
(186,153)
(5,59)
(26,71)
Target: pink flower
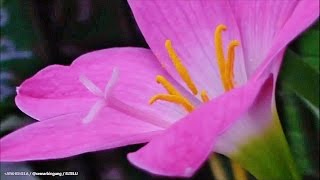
(213,97)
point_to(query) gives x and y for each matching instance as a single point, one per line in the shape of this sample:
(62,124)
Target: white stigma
(91,86)
(111,83)
(103,96)
(95,109)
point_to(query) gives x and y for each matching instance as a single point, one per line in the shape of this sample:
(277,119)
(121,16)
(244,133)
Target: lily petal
(57,90)
(256,140)
(259,22)
(66,136)
(252,123)
(180,150)
(267,27)
(190,26)
(304,14)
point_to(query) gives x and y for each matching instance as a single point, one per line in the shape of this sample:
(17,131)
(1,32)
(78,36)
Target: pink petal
(190,25)
(304,14)
(66,136)
(251,124)
(181,149)
(259,22)
(57,90)
(254,122)
(266,27)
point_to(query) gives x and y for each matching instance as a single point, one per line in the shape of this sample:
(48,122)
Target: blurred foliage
(298,100)
(18,60)
(299,77)
(58,31)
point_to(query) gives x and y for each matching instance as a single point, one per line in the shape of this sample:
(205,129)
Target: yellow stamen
(182,70)
(230,63)
(220,54)
(217,167)
(174,99)
(238,172)
(226,69)
(225,66)
(167,85)
(204,96)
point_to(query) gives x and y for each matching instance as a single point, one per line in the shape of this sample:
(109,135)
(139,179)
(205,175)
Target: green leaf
(307,46)
(313,62)
(308,43)
(299,77)
(298,99)
(294,114)
(267,155)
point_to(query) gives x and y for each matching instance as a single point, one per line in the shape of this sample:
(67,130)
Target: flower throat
(225,65)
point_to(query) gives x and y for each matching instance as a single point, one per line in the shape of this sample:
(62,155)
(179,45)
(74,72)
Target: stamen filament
(204,96)
(182,70)
(238,172)
(174,99)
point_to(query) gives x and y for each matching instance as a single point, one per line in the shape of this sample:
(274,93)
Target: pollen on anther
(226,65)
(181,69)
(174,99)
(230,63)
(204,96)
(167,85)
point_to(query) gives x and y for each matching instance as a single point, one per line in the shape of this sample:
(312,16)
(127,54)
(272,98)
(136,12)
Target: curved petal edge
(182,148)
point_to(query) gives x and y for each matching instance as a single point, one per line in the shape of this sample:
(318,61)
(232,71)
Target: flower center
(225,66)
(103,97)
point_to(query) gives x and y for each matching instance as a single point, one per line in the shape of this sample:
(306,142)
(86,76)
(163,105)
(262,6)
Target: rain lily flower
(215,63)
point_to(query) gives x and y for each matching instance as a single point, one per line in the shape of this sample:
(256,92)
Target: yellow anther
(167,85)
(230,63)
(219,45)
(204,96)
(182,70)
(174,99)
(220,54)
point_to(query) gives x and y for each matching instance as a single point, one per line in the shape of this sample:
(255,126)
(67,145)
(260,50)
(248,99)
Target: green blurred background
(36,33)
